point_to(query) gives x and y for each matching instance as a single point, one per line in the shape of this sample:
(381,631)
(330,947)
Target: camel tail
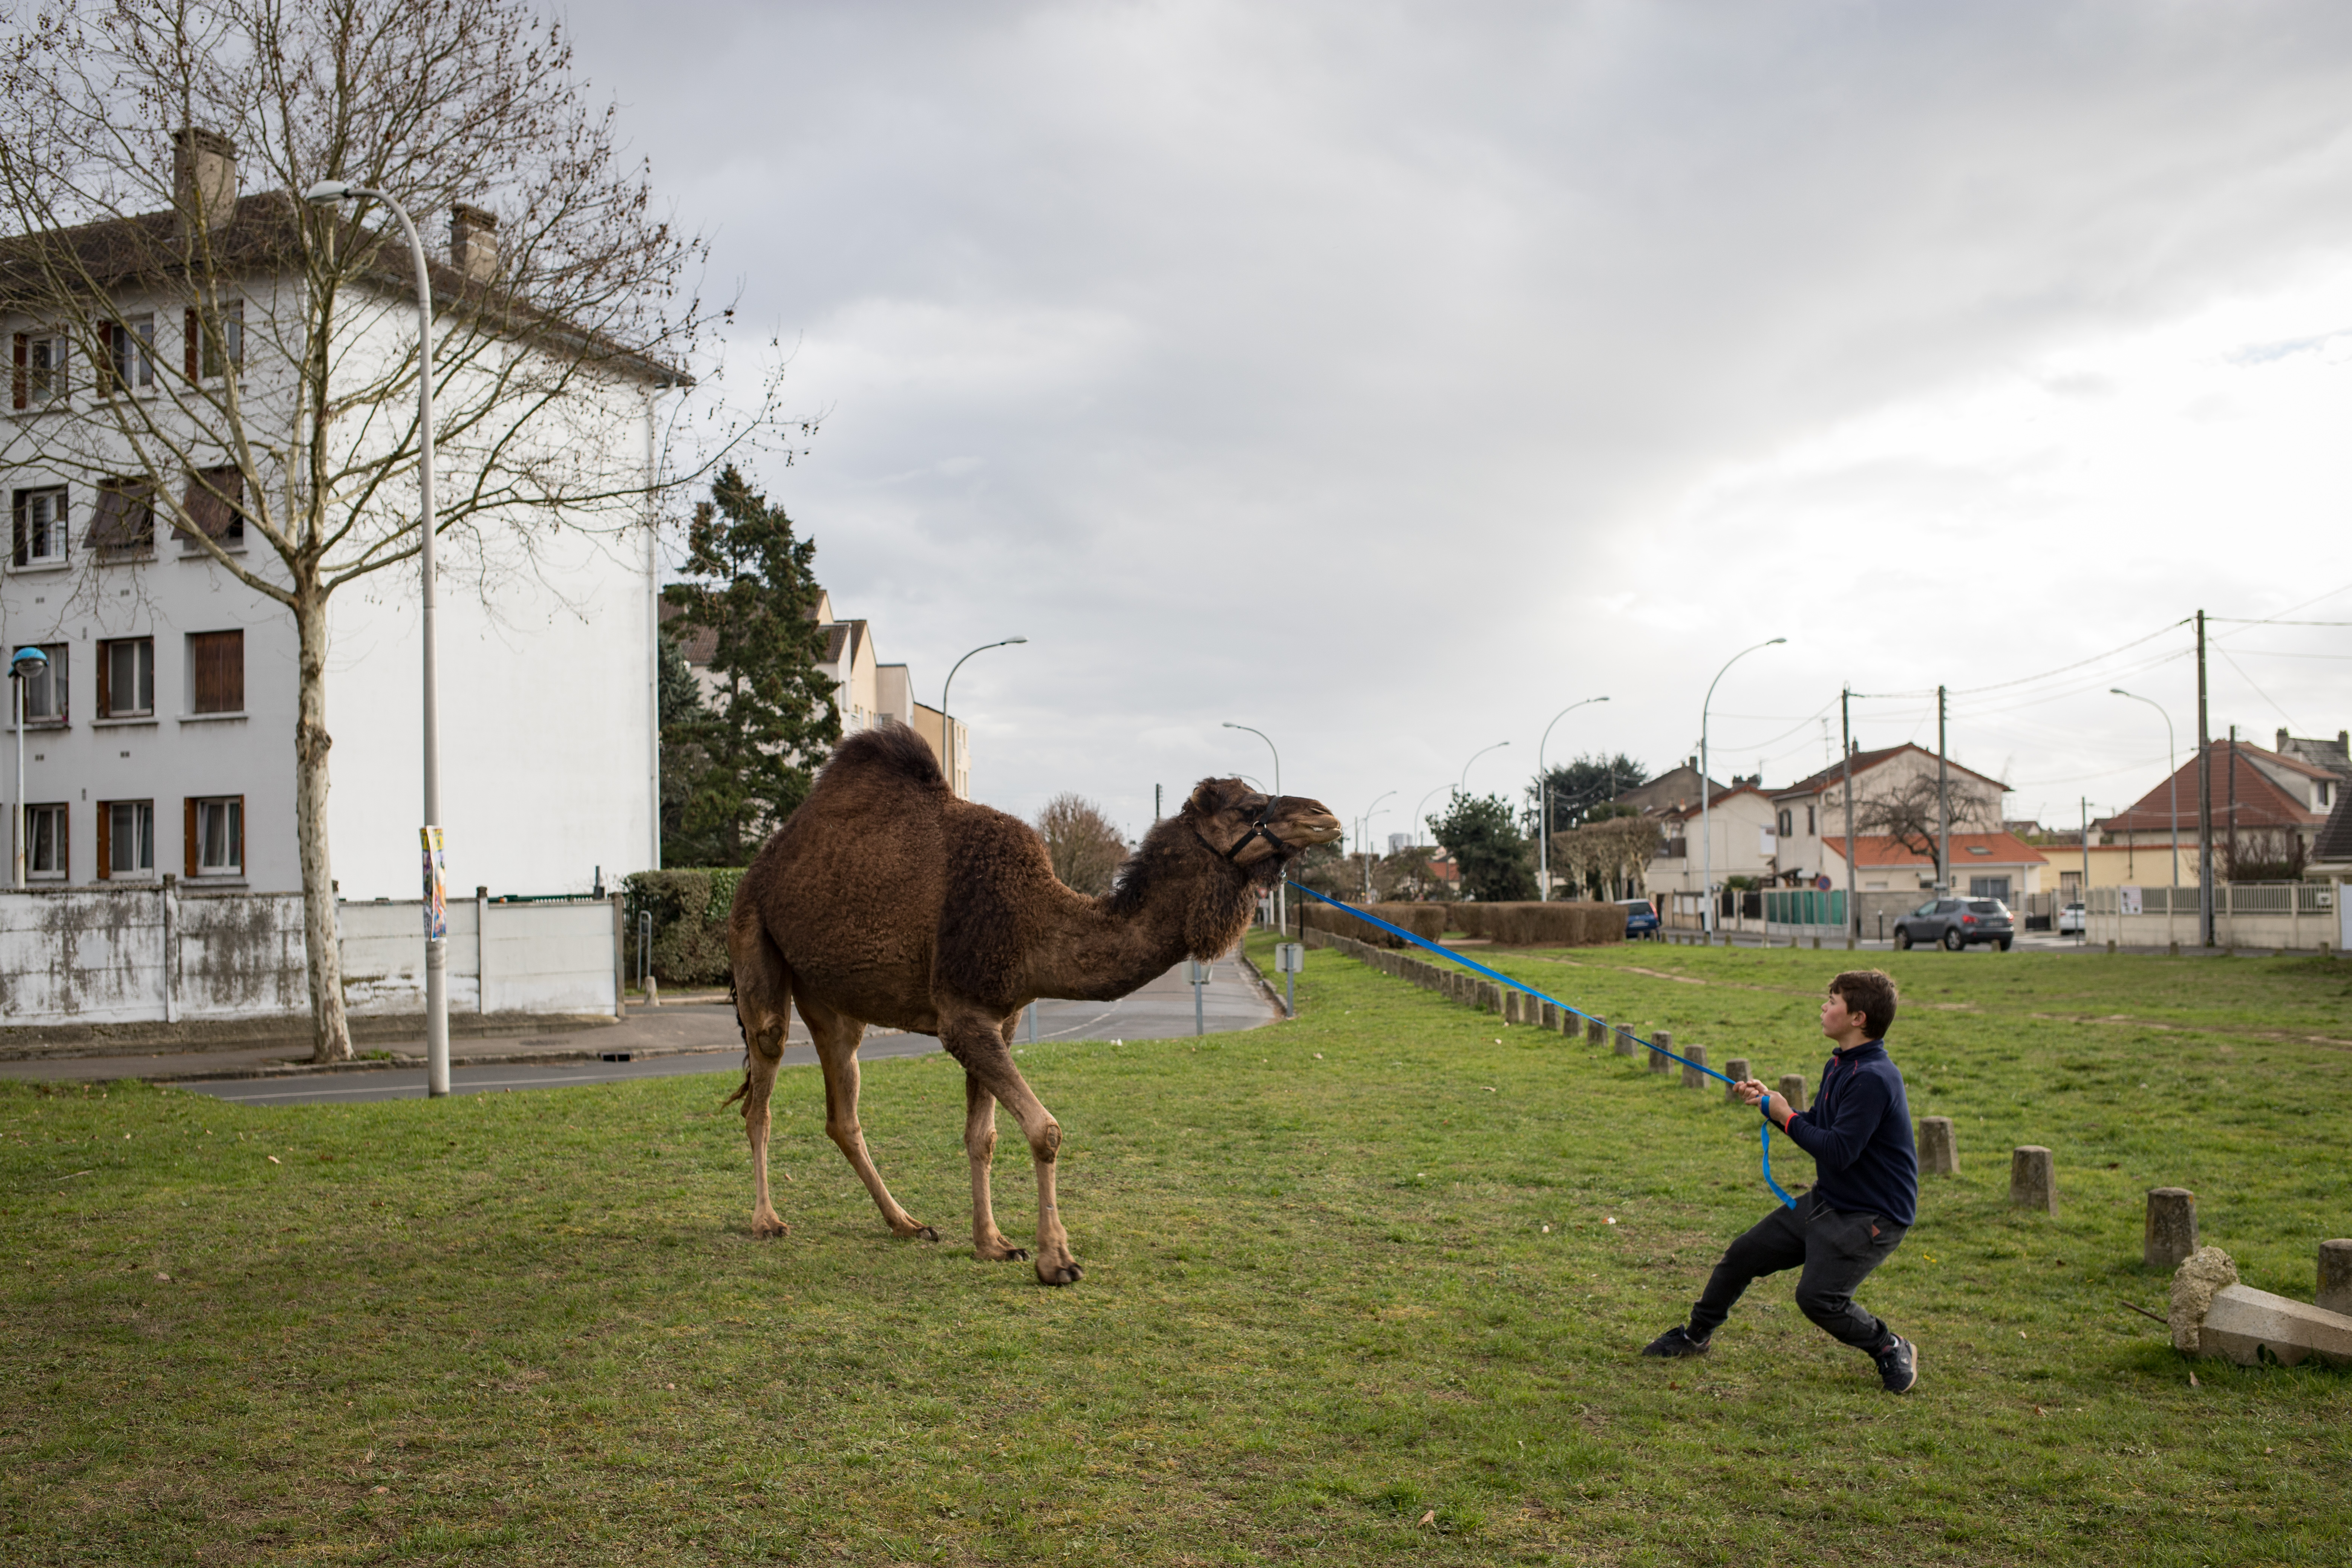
(745,1087)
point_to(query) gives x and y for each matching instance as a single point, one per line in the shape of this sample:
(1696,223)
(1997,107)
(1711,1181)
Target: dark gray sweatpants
(1837,1251)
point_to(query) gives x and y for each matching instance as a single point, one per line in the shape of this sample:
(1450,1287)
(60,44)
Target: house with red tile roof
(1984,865)
(2268,807)
(1807,812)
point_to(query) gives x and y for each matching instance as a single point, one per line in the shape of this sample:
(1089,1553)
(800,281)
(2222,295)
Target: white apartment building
(161,739)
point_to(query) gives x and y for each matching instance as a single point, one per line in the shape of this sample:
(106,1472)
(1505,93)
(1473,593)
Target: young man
(1859,1135)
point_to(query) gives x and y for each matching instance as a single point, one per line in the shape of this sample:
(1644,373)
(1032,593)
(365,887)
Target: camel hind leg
(978,1044)
(835,1035)
(763,1010)
(988,1243)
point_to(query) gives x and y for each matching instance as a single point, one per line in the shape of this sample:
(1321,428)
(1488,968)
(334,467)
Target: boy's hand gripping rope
(1764,1106)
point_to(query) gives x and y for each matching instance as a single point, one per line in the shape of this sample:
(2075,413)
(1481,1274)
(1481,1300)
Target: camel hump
(889,748)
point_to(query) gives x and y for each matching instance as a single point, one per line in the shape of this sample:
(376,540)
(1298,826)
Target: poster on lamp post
(436,886)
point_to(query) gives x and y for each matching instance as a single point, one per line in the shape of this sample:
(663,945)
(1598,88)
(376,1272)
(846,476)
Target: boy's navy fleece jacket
(1859,1135)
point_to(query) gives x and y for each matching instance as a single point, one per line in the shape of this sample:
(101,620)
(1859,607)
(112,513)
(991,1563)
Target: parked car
(1641,919)
(2072,920)
(1957,923)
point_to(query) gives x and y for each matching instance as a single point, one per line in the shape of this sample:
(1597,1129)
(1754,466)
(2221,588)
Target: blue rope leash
(1766,1132)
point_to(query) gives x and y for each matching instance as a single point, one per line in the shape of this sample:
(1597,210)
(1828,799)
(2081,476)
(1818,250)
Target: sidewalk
(698,1023)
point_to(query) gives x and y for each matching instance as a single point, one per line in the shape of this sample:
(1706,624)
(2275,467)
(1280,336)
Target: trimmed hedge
(690,911)
(1426,921)
(1542,925)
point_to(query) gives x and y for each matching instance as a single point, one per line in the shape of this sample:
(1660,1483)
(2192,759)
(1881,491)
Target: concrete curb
(398,1062)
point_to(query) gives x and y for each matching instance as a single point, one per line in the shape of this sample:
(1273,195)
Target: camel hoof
(1067,1274)
(922,1233)
(769,1229)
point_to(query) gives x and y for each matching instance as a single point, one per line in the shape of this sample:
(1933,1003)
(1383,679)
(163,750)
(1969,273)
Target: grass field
(1352,1295)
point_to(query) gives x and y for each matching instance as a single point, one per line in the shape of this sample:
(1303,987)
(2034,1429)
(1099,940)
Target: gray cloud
(1390,376)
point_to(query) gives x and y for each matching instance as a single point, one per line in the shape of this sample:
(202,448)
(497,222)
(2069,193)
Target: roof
(1999,849)
(1864,762)
(2260,803)
(2334,755)
(265,234)
(1685,813)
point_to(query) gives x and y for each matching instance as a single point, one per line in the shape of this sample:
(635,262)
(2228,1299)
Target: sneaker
(1899,1364)
(1675,1342)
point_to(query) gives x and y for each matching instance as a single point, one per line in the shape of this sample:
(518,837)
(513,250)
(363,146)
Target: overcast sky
(1390,377)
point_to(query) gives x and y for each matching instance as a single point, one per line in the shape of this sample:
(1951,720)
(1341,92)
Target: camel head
(1256,831)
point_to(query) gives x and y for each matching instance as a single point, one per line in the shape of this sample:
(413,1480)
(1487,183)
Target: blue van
(1641,919)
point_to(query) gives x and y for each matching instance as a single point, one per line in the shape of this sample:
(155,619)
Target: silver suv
(1957,923)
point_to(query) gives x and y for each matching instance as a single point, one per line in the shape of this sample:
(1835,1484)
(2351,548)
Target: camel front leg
(988,1243)
(836,1052)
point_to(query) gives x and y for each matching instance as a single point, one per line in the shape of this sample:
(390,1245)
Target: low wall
(163,954)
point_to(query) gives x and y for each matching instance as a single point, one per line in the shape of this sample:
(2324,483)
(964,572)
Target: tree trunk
(331,1034)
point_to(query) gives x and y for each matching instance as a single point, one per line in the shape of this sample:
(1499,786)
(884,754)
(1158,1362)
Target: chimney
(203,179)
(473,243)
(2281,745)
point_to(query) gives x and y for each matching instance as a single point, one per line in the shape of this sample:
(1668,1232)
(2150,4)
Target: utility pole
(2230,812)
(1845,737)
(1943,808)
(2084,934)
(2204,801)
(1155,803)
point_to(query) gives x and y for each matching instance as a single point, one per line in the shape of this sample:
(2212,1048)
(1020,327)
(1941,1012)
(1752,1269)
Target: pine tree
(771,720)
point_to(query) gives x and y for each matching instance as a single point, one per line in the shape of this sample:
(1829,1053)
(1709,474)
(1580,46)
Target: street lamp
(28,663)
(2172,782)
(1543,800)
(1706,790)
(947,717)
(1281,888)
(333,193)
(1364,841)
(1463,787)
(1417,817)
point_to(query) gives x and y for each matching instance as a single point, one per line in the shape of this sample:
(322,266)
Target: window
(45,840)
(130,351)
(39,381)
(40,527)
(124,525)
(216,837)
(126,837)
(45,694)
(216,672)
(211,353)
(126,679)
(1784,822)
(214,508)
(1809,821)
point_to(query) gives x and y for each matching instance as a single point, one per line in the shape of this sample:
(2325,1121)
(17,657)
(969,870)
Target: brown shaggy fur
(886,901)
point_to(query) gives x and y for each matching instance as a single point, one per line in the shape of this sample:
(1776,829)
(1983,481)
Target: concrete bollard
(1490,998)
(1792,1089)
(1737,1070)
(1938,1154)
(1511,1006)
(1659,1060)
(2335,1278)
(1551,1016)
(1693,1078)
(1596,1029)
(2171,1233)
(2032,1179)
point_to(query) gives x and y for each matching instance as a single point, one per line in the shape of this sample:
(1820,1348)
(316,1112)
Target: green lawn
(1323,1317)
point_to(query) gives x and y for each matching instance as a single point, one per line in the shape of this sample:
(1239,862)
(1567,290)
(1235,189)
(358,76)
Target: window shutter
(105,842)
(20,385)
(65,841)
(188,835)
(237,831)
(23,546)
(105,700)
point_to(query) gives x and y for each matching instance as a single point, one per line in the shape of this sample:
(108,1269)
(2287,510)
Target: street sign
(1289,958)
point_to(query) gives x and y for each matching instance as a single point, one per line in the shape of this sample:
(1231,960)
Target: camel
(886,901)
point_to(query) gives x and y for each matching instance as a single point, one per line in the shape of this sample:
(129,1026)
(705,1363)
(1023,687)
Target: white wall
(117,956)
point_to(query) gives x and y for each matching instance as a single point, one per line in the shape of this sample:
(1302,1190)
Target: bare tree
(1906,812)
(1613,852)
(1083,843)
(271,344)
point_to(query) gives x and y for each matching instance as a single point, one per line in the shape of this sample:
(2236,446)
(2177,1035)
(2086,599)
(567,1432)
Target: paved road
(703,1039)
